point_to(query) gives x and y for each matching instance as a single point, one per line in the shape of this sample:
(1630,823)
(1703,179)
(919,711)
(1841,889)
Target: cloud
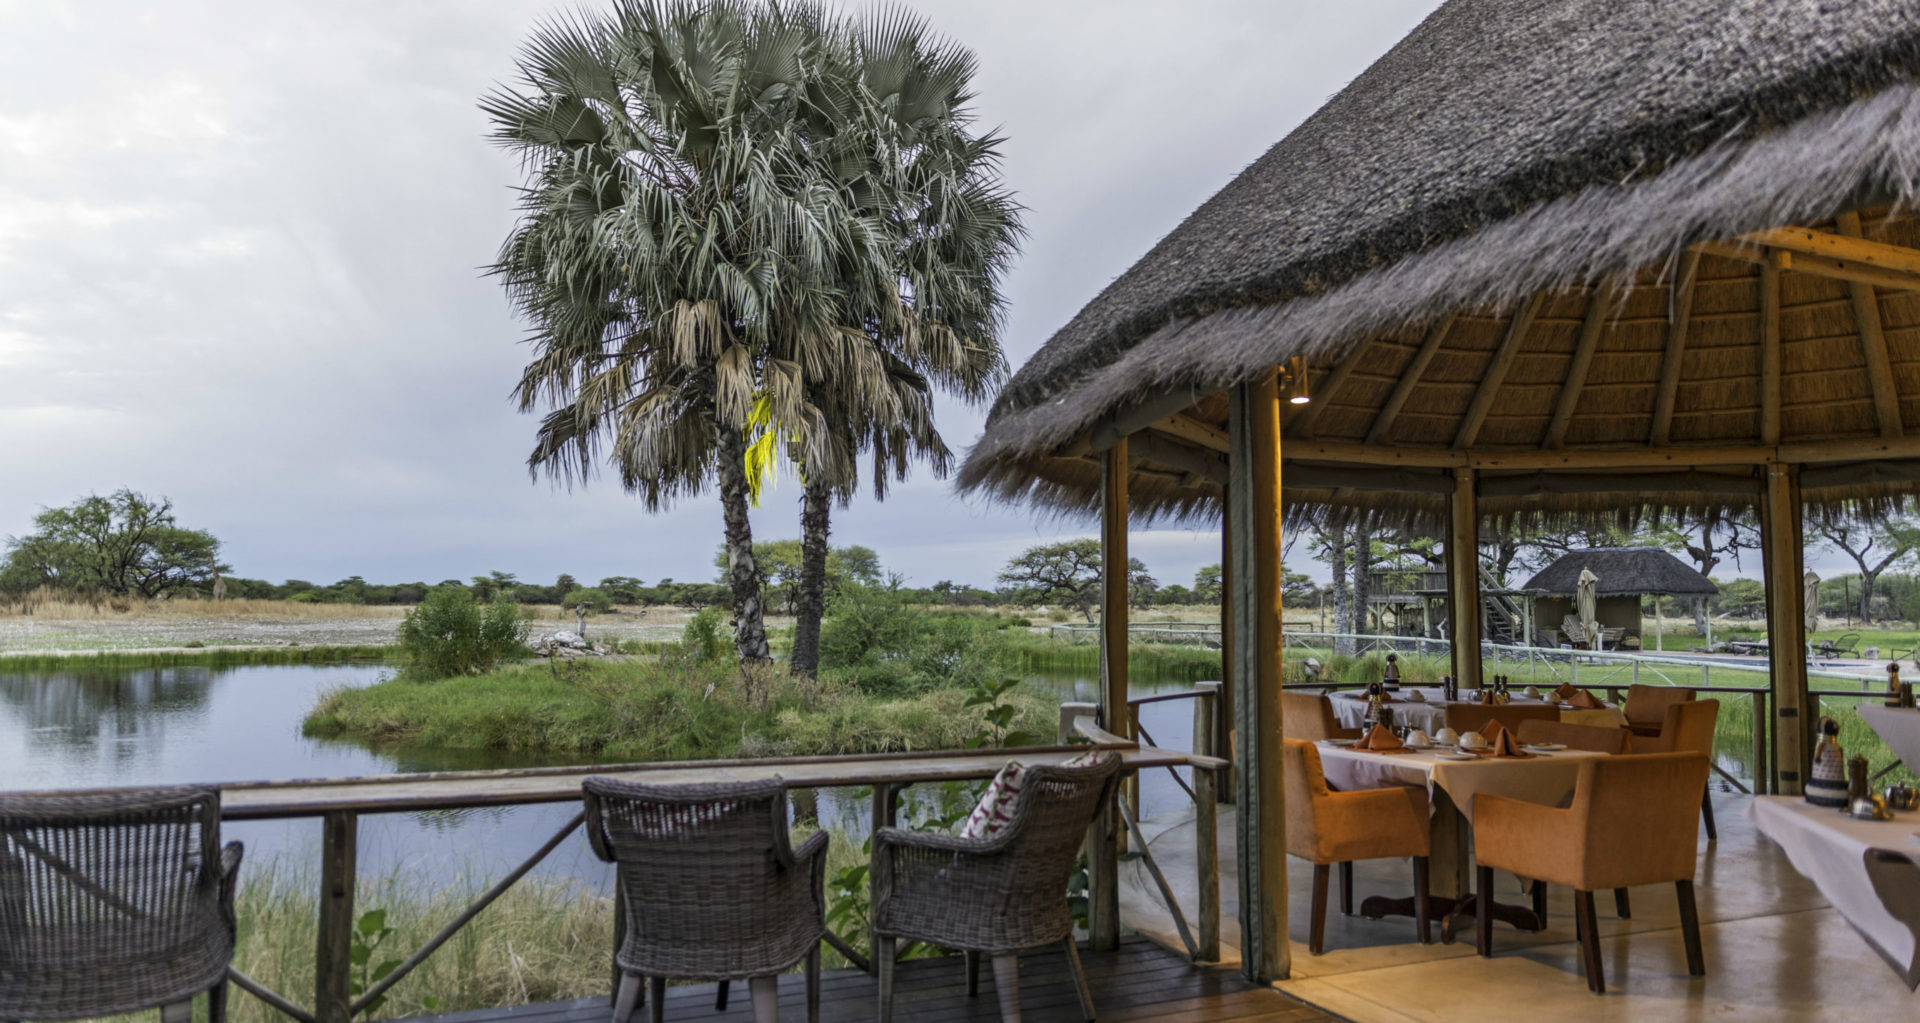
(240,248)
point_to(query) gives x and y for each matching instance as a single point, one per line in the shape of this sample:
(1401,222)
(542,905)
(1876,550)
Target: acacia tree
(126,544)
(1068,572)
(1875,545)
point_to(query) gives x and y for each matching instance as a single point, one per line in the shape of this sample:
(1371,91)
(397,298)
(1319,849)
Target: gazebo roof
(1524,240)
(1623,572)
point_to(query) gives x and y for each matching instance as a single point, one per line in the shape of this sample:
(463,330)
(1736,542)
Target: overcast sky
(239,252)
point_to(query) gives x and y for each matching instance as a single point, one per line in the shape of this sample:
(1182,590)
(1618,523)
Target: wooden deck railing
(339,803)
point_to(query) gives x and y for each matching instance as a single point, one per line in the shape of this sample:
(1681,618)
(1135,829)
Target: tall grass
(224,657)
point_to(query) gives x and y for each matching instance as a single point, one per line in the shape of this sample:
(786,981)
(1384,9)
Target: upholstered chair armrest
(1369,823)
(1525,838)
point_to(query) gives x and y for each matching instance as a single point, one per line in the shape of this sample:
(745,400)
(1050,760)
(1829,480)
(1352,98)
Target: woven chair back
(707,876)
(1308,716)
(109,901)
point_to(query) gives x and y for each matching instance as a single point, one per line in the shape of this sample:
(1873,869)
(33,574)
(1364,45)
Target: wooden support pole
(1679,312)
(1463,579)
(1769,354)
(1260,790)
(333,951)
(1223,734)
(1873,343)
(1114,712)
(1784,552)
(1206,853)
(1604,297)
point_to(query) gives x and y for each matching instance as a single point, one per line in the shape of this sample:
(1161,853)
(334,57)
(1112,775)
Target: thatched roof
(1623,572)
(1508,210)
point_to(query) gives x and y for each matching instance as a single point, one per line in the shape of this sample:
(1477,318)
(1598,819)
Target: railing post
(333,952)
(1103,853)
(1206,849)
(1761,776)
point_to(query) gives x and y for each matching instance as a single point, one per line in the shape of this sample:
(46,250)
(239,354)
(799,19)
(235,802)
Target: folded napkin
(1565,691)
(1380,740)
(1507,746)
(1492,731)
(1486,698)
(1585,701)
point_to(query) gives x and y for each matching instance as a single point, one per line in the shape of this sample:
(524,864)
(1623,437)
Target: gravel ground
(134,633)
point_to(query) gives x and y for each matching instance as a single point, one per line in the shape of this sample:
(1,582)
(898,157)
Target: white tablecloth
(1830,849)
(1350,709)
(1899,728)
(1547,779)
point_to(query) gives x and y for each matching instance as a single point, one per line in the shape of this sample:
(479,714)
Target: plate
(1339,742)
(1547,745)
(1451,755)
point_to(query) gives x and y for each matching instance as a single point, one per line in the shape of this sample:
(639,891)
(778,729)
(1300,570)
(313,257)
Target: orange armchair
(1687,727)
(1309,716)
(1327,827)
(1650,798)
(1646,706)
(1593,738)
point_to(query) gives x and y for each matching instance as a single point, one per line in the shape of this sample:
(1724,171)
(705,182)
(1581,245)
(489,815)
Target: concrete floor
(1775,950)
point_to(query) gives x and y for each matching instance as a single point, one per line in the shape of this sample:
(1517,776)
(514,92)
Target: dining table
(1545,776)
(1869,870)
(1428,710)
(1899,728)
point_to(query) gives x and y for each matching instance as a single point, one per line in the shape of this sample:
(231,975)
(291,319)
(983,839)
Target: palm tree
(888,116)
(676,239)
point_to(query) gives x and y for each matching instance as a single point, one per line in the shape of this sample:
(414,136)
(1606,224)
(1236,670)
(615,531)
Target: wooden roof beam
(1193,431)
(1308,420)
(1864,449)
(1604,296)
(1496,373)
(1383,423)
(1819,266)
(1769,354)
(1679,311)
(1873,343)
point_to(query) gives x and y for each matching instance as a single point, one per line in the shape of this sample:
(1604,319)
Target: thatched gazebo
(1542,259)
(1626,575)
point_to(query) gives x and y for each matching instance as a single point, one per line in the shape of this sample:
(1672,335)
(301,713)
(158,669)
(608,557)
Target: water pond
(83,728)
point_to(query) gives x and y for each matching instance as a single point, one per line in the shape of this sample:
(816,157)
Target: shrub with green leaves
(705,638)
(450,634)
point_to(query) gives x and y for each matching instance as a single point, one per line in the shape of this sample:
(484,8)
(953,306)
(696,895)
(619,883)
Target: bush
(705,639)
(587,601)
(864,624)
(450,634)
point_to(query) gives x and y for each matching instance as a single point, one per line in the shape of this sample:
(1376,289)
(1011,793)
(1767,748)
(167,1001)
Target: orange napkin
(1507,746)
(1381,740)
(1492,731)
(1486,698)
(1565,692)
(1585,701)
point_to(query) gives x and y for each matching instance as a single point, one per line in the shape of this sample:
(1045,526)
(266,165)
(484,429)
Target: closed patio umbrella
(1586,605)
(1813,602)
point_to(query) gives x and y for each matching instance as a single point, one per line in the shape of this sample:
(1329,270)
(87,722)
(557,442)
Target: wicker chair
(114,902)
(997,896)
(711,887)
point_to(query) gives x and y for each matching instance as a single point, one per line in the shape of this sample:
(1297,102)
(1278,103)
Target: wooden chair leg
(1422,917)
(1621,907)
(1346,888)
(973,974)
(177,1012)
(627,998)
(1706,814)
(813,985)
(1079,979)
(720,996)
(217,1002)
(1539,892)
(1690,929)
(1482,919)
(1590,942)
(883,960)
(766,998)
(657,986)
(1006,984)
(1317,927)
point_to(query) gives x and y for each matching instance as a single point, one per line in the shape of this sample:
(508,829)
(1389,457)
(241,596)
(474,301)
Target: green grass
(1032,653)
(225,658)
(659,709)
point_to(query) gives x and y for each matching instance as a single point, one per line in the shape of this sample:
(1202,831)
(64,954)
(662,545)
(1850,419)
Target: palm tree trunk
(743,577)
(815,510)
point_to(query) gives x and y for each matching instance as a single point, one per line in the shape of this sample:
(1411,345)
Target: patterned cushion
(995,811)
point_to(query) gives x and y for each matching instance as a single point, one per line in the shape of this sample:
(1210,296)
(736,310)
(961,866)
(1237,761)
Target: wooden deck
(1138,982)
